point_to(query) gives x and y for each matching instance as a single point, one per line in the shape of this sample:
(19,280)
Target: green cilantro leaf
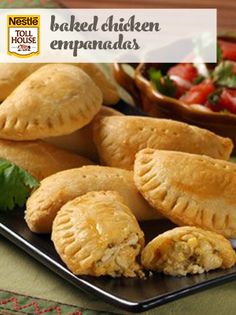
(219,54)
(223,75)
(15,185)
(199,79)
(214,97)
(163,84)
(155,76)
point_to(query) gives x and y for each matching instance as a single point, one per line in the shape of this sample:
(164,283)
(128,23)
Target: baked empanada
(56,190)
(189,189)
(56,99)
(188,250)
(81,141)
(118,139)
(108,88)
(12,74)
(106,111)
(96,234)
(39,158)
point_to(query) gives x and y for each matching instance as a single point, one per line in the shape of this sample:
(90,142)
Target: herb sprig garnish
(15,185)
(162,83)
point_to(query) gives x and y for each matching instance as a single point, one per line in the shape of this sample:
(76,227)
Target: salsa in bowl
(198,94)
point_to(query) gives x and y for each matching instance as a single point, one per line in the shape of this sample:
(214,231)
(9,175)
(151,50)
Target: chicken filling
(188,255)
(121,259)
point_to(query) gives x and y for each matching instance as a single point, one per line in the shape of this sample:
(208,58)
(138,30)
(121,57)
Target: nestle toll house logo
(23,35)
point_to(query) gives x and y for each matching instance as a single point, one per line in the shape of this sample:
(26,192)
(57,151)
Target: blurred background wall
(226,8)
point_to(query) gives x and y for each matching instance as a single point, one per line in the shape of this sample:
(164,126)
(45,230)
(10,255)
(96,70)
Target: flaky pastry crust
(118,139)
(81,140)
(56,190)
(56,99)
(96,234)
(40,159)
(189,189)
(108,88)
(188,250)
(12,74)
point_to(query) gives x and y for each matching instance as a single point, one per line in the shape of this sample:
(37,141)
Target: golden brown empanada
(12,74)
(81,140)
(39,158)
(55,100)
(118,139)
(188,250)
(56,190)
(189,189)
(108,88)
(106,111)
(96,234)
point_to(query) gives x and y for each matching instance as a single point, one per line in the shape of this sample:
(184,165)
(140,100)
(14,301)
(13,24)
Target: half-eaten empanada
(188,250)
(96,234)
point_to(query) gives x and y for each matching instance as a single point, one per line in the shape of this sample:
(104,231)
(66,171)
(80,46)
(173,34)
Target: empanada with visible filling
(56,190)
(56,99)
(96,234)
(12,74)
(188,250)
(39,158)
(108,88)
(189,189)
(81,140)
(118,139)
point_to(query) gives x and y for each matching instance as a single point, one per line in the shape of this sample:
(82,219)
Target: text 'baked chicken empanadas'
(54,191)
(118,139)
(56,99)
(188,250)
(97,234)
(189,189)
(40,159)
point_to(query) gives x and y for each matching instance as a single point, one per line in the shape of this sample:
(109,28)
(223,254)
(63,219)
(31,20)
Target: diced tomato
(181,85)
(228,100)
(228,50)
(198,93)
(183,75)
(234,67)
(214,107)
(185,71)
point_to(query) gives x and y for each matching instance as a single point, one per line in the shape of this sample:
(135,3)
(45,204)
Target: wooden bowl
(147,98)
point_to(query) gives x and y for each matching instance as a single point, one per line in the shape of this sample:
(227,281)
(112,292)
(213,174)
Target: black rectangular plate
(135,295)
